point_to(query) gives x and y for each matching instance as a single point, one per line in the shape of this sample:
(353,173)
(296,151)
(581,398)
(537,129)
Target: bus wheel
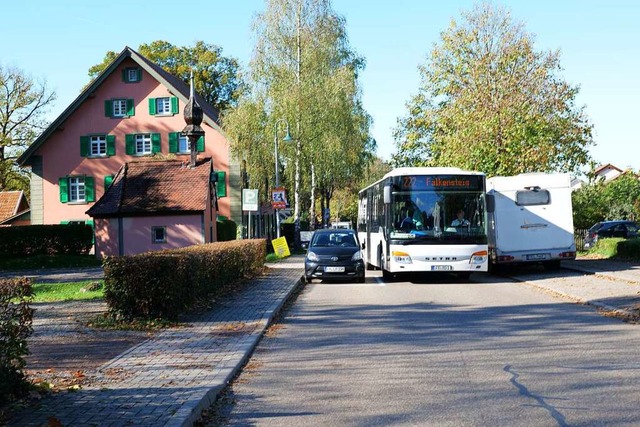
(464,275)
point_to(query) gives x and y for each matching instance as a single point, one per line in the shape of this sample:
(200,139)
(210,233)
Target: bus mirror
(491,203)
(387,194)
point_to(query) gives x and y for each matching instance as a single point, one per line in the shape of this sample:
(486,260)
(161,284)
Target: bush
(227,230)
(629,249)
(16,318)
(164,284)
(56,239)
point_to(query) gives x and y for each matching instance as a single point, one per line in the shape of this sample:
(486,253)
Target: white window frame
(98,145)
(154,235)
(183,144)
(163,106)
(119,108)
(77,193)
(132,75)
(143,144)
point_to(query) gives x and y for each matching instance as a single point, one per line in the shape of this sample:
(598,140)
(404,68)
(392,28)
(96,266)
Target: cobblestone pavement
(168,379)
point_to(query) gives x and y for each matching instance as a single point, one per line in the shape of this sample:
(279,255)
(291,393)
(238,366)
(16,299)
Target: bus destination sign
(440,182)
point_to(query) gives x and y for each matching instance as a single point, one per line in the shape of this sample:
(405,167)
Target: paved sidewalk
(171,378)
(610,285)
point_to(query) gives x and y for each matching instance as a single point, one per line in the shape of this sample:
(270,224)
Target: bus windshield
(438,216)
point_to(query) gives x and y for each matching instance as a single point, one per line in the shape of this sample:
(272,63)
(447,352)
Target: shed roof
(148,188)
(12,203)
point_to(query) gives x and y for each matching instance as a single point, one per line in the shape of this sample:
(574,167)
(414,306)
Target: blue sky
(58,41)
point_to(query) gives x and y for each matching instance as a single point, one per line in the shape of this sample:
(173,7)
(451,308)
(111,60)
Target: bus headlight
(401,257)
(478,257)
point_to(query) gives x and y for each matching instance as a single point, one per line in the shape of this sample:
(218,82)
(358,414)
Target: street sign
(249,200)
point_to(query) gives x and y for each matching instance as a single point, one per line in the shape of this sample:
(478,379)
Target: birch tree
(303,72)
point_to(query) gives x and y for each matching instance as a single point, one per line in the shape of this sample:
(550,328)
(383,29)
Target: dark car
(624,229)
(334,254)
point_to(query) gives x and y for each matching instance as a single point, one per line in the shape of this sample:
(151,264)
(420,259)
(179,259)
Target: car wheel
(308,279)
(361,279)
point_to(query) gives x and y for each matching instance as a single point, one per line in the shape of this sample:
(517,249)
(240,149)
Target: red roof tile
(156,187)
(11,203)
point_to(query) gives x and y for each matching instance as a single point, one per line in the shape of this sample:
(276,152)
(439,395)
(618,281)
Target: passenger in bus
(408,223)
(460,221)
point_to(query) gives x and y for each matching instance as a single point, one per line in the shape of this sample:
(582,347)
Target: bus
(421,219)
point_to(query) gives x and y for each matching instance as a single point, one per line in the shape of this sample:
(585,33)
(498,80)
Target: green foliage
(304,72)
(163,284)
(216,76)
(48,261)
(56,239)
(615,247)
(23,105)
(490,102)
(618,199)
(16,318)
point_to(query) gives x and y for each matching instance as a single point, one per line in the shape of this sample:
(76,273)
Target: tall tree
(216,76)
(23,104)
(303,72)
(488,101)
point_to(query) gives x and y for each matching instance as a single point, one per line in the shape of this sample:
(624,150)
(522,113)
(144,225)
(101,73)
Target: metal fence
(579,234)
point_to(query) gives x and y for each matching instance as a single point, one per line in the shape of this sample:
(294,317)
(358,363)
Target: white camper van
(530,219)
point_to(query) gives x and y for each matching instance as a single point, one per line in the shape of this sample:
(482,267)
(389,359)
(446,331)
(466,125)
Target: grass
(615,248)
(48,261)
(75,291)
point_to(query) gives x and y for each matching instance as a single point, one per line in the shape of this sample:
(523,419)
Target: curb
(191,411)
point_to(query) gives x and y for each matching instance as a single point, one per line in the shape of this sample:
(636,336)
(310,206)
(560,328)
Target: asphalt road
(487,352)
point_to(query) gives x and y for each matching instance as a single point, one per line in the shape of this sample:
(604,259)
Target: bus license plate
(441,268)
(536,256)
(334,269)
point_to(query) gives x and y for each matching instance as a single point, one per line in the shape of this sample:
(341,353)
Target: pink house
(131,112)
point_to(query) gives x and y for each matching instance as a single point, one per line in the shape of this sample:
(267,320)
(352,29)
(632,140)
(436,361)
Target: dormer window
(131,75)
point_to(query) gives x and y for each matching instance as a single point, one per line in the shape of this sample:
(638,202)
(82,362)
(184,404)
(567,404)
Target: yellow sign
(280,247)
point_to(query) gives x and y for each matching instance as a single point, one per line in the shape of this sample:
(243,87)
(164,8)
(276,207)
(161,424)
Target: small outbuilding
(153,205)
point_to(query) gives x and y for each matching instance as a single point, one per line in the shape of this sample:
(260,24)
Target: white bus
(424,220)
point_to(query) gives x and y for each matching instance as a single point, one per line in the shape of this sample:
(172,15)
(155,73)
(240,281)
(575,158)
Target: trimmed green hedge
(55,239)
(629,249)
(16,318)
(164,284)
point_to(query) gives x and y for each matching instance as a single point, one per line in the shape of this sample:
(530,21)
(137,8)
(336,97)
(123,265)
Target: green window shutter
(108,179)
(89,192)
(124,74)
(108,108)
(200,144)
(111,145)
(63,183)
(221,185)
(173,141)
(139,74)
(64,222)
(152,106)
(131,109)
(155,142)
(174,105)
(130,143)
(84,146)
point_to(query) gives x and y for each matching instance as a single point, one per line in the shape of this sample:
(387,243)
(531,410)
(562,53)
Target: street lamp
(286,138)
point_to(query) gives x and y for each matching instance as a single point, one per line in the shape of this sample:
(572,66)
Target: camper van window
(532,197)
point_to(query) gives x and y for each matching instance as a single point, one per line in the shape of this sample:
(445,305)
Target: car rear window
(531,197)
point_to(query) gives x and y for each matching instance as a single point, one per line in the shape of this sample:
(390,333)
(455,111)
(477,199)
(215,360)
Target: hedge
(164,284)
(45,240)
(226,230)
(16,318)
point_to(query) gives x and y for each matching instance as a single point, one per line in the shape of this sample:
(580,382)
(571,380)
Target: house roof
(147,188)
(12,203)
(603,167)
(178,88)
